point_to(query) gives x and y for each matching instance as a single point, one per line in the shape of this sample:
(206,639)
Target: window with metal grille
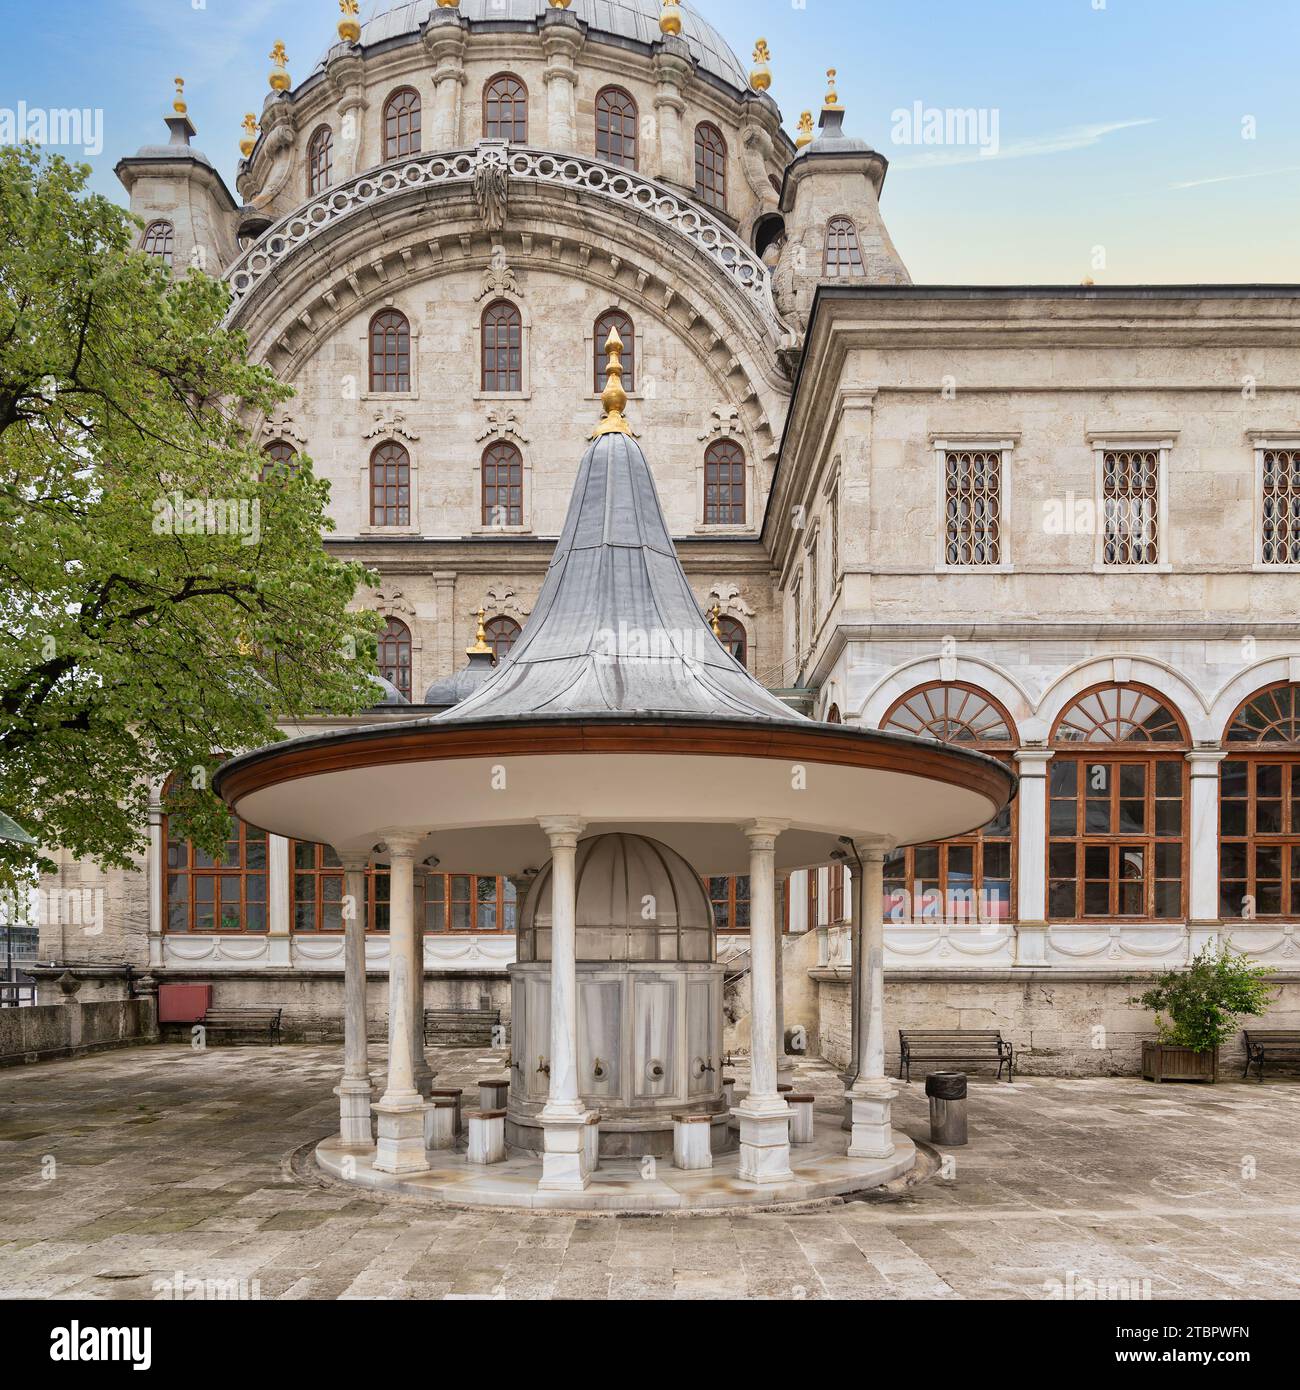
(973,507)
(503,352)
(710,166)
(394,655)
(1118,812)
(320,161)
(843,253)
(1131,502)
(1280,513)
(616,127)
(402,123)
(503,485)
(505,109)
(618,320)
(390,351)
(724,484)
(970,878)
(390,485)
(159,240)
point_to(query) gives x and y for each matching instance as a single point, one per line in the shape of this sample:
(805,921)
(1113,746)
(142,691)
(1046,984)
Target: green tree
(161,599)
(1205,1002)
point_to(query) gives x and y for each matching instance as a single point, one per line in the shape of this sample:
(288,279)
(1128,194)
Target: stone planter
(1166,1062)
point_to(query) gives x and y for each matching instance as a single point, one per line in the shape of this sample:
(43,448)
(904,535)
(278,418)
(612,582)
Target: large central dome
(627,22)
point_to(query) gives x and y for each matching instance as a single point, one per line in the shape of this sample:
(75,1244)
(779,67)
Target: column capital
(763,834)
(562,831)
(1205,761)
(874,849)
(403,843)
(353,861)
(1033,761)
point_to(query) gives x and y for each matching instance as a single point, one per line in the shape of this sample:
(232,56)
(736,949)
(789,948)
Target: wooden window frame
(622,320)
(620,137)
(711,155)
(732,634)
(159,241)
(390,635)
(516,136)
(433,907)
(389,454)
(501,453)
(842,257)
(390,362)
(730,896)
(190,871)
(737,477)
(494,628)
(320,161)
(501,313)
(404,126)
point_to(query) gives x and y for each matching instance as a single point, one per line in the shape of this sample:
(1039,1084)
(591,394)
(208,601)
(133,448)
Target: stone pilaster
(561,42)
(1203,849)
(444,41)
(1031,857)
(674,68)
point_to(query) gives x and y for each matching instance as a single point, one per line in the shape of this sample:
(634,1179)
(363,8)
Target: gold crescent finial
(760,78)
(247,144)
(349,26)
(178,104)
(614,397)
(805,131)
(279,78)
(480,639)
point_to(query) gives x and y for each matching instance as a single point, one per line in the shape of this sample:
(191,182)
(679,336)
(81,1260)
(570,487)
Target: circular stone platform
(821,1169)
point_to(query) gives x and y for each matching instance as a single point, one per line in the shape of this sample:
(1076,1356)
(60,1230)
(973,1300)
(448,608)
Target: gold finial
(715,620)
(448,4)
(349,25)
(280,80)
(250,135)
(178,105)
(832,96)
(761,77)
(670,21)
(480,641)
(613,398)
(805,131)
(561,4)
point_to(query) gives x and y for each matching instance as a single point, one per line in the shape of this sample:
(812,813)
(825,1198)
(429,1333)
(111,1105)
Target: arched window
(732,635)
(1259,808)
(710,166)
(505,109)
(503,347)
(320,161)
(390,487)
(502,634)
(616,126)
(1117,823)
(970,878)
(281,457)
(222,894)
(402,123)
(159,240)
(390,351)
(503,485)
(395,655)
(615,319)
(843,253)
(724,484)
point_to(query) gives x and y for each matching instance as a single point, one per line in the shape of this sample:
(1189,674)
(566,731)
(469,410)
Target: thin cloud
(1236,178)
(1061,142)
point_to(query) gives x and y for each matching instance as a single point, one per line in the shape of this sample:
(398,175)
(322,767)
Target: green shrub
(1204,1002)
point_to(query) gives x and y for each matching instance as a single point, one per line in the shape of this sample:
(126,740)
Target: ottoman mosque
(1055,525)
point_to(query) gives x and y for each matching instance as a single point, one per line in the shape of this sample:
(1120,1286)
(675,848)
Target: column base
(870,1104)
(1031,944)
(564,1153)
(355,1099)
(400,1147)
(764,1140)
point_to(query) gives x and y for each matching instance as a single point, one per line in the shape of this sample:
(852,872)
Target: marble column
(400,1148)
(850,1074)
(784,1062)
(563,1118)
(1031,857)
(354,1091)
(420,1067)
(1203,850)
(872,1094)
(763,1114)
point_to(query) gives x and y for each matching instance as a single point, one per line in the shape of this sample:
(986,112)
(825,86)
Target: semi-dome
(630,23)
(386,693)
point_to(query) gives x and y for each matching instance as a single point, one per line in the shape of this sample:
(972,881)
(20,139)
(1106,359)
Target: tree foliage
(163,602)
(1206,1001)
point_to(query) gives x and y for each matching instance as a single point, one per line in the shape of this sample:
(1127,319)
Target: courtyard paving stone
(126,1167)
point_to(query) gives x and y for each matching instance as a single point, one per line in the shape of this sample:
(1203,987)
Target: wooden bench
(1268,1046)
(246,1020)
(954,1045)
(460,1027)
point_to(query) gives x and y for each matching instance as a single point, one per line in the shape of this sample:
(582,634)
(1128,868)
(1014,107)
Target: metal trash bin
(947,1093)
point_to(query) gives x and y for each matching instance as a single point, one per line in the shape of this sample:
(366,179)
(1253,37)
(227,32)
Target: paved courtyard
(126,1168)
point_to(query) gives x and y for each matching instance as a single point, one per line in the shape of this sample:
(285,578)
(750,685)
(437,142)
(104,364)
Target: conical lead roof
(616,628)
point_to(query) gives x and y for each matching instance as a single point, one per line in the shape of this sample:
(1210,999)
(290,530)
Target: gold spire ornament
(613,398)
(715,620)
(480,640)
(448,4)
(832,101)
(805,137)
(279,79)
(178,103)
(349,25)
(250,134)
(760,79)
(561,4)
(670,21)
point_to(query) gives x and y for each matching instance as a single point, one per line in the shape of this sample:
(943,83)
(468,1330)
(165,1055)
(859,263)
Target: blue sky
(1120,122)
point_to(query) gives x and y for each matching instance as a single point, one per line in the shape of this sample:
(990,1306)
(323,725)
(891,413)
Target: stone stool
(440,1123)
(691,1141)
(453,1094)
(591,1142)
(487,1136)
(492,1095)
(782,1087)
(801,1117)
